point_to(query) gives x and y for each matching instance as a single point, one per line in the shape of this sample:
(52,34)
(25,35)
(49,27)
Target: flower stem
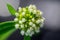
(27,37)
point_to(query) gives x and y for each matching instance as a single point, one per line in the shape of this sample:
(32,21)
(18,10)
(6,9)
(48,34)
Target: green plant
(28,20)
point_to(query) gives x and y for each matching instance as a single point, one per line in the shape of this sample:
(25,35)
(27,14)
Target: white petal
(16,26)
(16,19)
(23,13)
(22,26)
(26,34)
(20,22)
(31,28)
(33,25)
(34,12)
(22,32)
(37,30)
(19,8)
(17,14)
(41,12)
(28,31)
(23,19)
(38,21)
(30,23)
(31,33)
(33,19)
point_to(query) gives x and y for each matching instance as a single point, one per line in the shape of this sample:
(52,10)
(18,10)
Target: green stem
(27,37)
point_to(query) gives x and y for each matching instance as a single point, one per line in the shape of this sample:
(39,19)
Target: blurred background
(51,12)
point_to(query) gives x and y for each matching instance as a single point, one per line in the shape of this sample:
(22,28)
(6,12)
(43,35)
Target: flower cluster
(28,20)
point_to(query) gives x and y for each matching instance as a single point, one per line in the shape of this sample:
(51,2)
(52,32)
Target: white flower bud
(33,19)
(23,13)
(38,21)
(26,34)
(22,25)
(31,28)
(30,23)
(16,19)
(20,22)
(28,31)
(34,12)
(17,14)
(22,32)
(41,12)
(16,26)
(33,25)
(31,33)
(37,30)
(23,19)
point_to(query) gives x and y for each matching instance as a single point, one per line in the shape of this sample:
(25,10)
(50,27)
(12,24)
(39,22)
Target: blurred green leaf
(11,9)
(6,29)
(27,37)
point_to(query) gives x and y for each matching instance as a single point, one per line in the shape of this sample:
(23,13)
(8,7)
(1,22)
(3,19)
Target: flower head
(29,20)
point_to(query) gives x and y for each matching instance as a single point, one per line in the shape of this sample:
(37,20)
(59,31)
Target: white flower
(17,14)
(22,32)
(23,19)
(22,25)
(31,33)
(25,25)
(30,23)
(33,25)
(31,28)
(26,34)
(28,31)
(20,21)
(42,20)
(30,10)
(23,13)
(34,11)
(16,19)
(16,26)
(34,7)
(41,12)
(24,9)
(33,19)
(37,30)
(38,21)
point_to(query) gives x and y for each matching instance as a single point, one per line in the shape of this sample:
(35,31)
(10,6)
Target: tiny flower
(16,26)
(26,34)
(33,19)
(25,25)
(22,25)
(23,13)
(23,20)
(19,8)
(38,21)
(16,19)
(41,12)
(31,33)
(31,28)
(17,14)
(22,32)
(20,21)
(28,31)
(34,12)
(30,23)
(37,30)
(33,25)
(24,9)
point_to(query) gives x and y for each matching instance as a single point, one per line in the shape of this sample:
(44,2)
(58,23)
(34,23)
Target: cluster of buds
(29,20)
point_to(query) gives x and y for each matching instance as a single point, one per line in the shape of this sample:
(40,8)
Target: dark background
(51,12)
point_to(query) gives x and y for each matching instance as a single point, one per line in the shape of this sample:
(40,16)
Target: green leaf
(6,29)
(11,9)
(27,37)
